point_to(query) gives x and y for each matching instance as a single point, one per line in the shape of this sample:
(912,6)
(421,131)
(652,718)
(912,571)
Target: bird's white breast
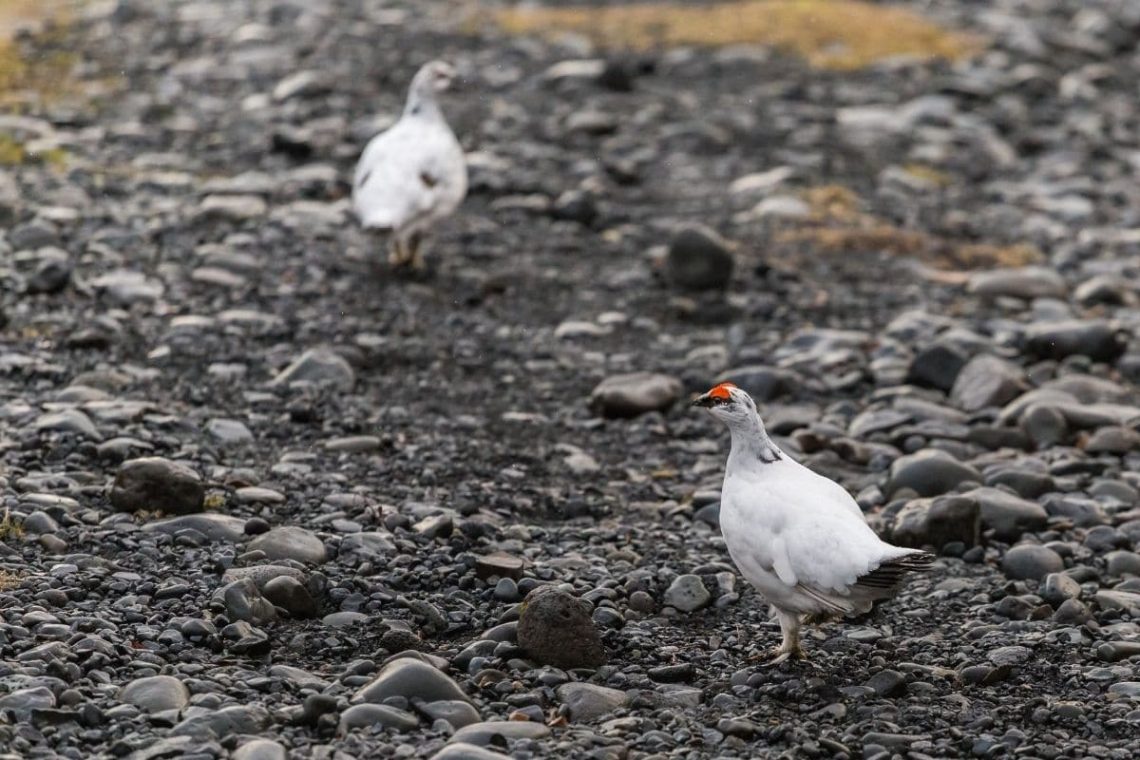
(753,532)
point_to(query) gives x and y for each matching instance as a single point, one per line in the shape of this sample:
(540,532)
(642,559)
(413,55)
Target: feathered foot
(416,257)
(398,255)
(789,648)
(777,655)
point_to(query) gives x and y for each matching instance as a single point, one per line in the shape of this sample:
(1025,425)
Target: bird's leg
(398,254)
(790,646)
(416,257)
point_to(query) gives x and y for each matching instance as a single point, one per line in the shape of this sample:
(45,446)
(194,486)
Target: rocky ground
(243,466)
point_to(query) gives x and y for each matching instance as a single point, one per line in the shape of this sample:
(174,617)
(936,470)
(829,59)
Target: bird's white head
(736,409)
(434,76)
(729,404)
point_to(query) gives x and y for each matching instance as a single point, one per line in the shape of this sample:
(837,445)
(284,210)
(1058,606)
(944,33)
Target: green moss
(8,580)
(39,66)
(9,528)
(15,153)
(12,151)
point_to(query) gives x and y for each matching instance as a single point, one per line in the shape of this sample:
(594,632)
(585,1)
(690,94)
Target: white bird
(796,536)
(413,174)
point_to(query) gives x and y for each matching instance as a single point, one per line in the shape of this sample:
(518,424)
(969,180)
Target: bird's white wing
(397,179)
(806,529)
(386,191)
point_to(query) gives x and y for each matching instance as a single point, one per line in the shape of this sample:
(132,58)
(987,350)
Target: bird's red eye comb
(722,391)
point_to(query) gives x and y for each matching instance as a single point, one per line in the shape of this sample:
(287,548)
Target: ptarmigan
(798,537)
(413,174)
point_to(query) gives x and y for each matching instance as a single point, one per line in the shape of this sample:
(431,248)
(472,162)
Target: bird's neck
(751,445)
(422,104)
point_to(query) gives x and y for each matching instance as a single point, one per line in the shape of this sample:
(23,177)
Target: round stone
(556,628)
(1031,562)
(290,542)
(156,693)
(157,485)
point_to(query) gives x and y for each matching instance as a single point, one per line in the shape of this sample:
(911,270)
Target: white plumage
(413,174)
(796,536)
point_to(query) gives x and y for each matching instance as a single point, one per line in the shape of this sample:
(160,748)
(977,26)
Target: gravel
(262,499)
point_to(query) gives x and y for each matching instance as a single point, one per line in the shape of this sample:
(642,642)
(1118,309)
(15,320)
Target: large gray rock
(499,732)
(156,693)
(244,601)
(464,751)
(1007,515)
(124,287)
(1025,282)
(930,472)
(555,628)
(1095,339)
(67,421)
(368,715)
(937,522)
(259,749)
(1045,425)
(262,574)
(687,593)
(158,485)
(1078,414)
(699,259)
(1113,440)
(455,711)
(1059,588)
(229,432)
(213,526)
(318,366)
(239,719)
(1031,562)
(587,701)
(763,383)
(937,365)
(369,546)
(410,678)
(634,394)
(231,208)
(290,595)
(1081,511)
(291,542)
(21,702)
(1122,563)
(1110,599)
(985,381)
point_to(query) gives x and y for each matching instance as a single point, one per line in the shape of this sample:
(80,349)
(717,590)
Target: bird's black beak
(704,401)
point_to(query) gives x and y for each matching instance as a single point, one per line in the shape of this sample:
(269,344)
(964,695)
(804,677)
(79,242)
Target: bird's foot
(417,263)
(397,259)
(778,655)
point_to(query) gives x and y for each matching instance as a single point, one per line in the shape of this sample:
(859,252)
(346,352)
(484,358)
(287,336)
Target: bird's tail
(892,572)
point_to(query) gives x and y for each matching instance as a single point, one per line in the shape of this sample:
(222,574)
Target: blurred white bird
(413,174)
(798,537)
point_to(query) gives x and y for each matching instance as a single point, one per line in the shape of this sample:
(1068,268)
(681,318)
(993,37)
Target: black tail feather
(893,572)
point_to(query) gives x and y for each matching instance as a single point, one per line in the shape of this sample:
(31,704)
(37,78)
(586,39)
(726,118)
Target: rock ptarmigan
(413,174)
(796,536)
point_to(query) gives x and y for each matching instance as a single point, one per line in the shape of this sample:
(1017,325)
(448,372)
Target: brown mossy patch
(10,528)
(838,224)
(832,203)
(39,58)
(15,153)
(830,34)
(8,581)
(12,151)
(928,174)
